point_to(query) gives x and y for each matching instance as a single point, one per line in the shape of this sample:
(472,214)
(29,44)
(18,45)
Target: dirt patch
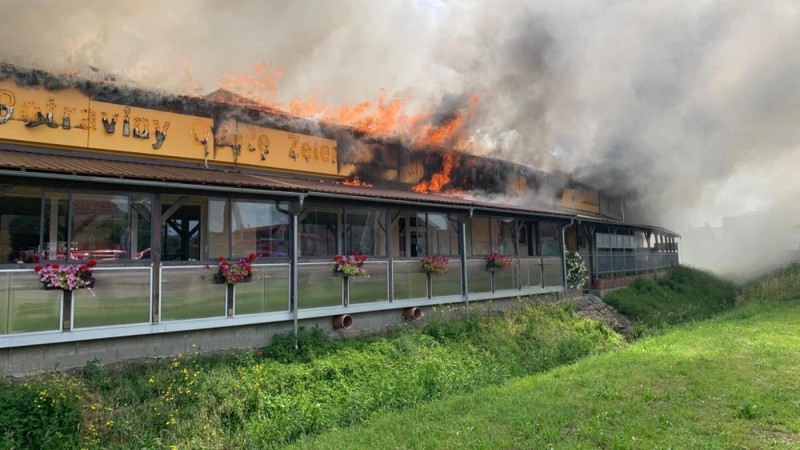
(592,307)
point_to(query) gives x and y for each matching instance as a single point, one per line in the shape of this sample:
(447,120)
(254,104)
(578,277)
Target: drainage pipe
(295,251)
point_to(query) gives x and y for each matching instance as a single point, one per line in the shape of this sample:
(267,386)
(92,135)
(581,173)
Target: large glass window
(20,224)
(54,239)
(182,230)
(85,226)
(490,234)
(480,233)
(409,234)
(527,239)
(503,236)
(219,226)
(443,231)
(258,227)
(100,227)
(318,231)
(550,239)
(365,231)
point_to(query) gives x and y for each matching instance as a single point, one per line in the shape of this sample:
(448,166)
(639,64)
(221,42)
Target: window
(100,227)
(527,239)
(409,234)
(258,227)
(20,224)
(503,236)
(443,231)
(365,231)
(480,233)
(550,239)
(318,231)
(183,229)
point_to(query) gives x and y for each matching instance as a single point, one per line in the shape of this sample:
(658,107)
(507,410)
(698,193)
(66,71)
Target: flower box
(496,261)
(234,273)
(219,279)
(67,277)
(350,265)
(434,265)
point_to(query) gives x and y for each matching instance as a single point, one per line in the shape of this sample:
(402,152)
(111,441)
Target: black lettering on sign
(325,153)
(294,139)
(161,134)
(29,111)
(66,123)
(89,120)
(141,127)
(305,150)
(7,102)
(263,146)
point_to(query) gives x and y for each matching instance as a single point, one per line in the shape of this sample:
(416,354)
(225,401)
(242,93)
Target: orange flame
(356,182)
(386,117)
(439,180)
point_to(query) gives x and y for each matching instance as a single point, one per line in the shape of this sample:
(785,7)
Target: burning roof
(372,138)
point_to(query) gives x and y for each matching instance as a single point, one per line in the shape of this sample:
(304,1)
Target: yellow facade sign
(581,199)
(254,146)
(42,117)
(70,119)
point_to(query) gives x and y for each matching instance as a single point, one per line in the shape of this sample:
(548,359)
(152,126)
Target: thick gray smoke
(689,108)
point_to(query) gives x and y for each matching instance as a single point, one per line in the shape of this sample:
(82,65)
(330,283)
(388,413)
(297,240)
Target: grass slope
(684,294)
(730,382)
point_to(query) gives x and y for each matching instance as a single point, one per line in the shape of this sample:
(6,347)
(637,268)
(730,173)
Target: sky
(690,108)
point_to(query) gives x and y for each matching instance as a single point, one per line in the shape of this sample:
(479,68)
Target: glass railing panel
(190,293)
(553,272)
(479,279)
(450,283)
(506,279)
(373,288)
(530,273)
(267,292)
(121,297)
(318,286)
(27,307)
(408,281)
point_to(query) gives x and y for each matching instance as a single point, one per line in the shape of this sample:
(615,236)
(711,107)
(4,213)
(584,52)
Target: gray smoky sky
(690,108)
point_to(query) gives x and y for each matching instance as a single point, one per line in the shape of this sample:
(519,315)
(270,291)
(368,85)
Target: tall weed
(782,285)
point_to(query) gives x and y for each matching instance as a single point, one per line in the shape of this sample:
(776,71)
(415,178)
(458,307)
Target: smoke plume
(687,108)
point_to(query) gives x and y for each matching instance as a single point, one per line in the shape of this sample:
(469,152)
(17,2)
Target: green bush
(683,294)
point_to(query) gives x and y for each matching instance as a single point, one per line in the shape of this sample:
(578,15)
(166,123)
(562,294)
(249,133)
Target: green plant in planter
(576,270)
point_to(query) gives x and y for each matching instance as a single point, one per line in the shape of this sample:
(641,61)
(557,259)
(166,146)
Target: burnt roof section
(76,163)
(45,161)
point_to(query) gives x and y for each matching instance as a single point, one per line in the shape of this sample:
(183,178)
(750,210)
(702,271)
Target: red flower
(221,258)
(91,263)
(253,256)
(38,269)
(55,266)
(83,267)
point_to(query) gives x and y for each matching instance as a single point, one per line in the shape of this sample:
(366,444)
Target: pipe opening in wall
(412,313)
(344,321)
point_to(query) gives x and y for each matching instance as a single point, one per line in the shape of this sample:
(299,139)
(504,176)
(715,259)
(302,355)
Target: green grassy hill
(728,382)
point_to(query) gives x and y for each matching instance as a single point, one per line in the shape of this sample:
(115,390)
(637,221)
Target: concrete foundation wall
(19,361)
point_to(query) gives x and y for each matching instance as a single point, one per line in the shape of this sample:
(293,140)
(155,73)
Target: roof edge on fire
(79,166)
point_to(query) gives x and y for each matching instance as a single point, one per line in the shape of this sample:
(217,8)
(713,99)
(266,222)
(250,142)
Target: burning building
(156,188)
